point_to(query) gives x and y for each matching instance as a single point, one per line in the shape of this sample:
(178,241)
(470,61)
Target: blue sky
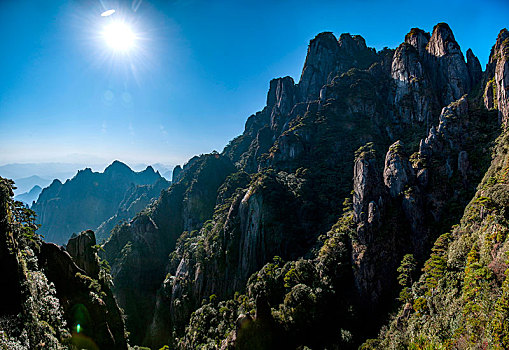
(199,70)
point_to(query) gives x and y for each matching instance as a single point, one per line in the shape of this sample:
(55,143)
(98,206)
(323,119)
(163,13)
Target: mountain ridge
(88,199)
(295,157)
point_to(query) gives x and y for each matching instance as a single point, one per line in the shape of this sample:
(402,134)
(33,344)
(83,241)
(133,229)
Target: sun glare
(119,36)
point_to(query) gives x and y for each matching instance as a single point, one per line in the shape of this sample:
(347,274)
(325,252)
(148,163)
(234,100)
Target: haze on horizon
(198,70)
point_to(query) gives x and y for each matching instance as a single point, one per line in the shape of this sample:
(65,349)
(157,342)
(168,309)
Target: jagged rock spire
(497,71)
(474,68)
(418,38)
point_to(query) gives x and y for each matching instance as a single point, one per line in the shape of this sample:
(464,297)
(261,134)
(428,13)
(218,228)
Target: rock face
(474,68)
(320,63)
(86,200)
(419,39)
(368,195)
(93,308)
(497,77)
(413,95)
(176,173)
(281,98)
(445,56)
(81,249)
(328,57)
(397,172)
(138,250)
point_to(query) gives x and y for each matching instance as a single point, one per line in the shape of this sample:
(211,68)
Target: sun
(119,36)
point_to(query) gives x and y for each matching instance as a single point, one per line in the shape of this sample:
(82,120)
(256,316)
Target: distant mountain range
(90,198)
(26,184)
(30,196)
(27,175)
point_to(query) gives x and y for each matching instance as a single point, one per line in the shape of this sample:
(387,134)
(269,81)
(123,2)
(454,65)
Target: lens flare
(107,13)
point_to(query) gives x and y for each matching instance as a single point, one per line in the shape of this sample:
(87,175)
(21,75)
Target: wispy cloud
(104,127)
(163,130)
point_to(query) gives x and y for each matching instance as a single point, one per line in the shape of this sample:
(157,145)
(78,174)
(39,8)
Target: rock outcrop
(328,57)
(474,68)
(446,59)
(413,96)
(52,302)
(87,301)
(497,77)
(398,173)
(82,249)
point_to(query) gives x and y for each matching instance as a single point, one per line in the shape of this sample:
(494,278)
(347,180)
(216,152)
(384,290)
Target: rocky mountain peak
(442,41)
(324,40)
(117,167)
(446,64)
(281,94)
(281,98)
(56,182)
(496,81)
(320,62)
(328,58)
(474,68)
(503,35)
(149,170)
(351,44)
(418,38)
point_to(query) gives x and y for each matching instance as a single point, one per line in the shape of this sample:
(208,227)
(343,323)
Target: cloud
(163,130)
(104,127)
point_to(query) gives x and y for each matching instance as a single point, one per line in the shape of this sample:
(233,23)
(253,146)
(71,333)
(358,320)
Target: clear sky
(198,70)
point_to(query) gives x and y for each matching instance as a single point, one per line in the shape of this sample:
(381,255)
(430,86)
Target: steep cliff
(460,299)
(138,250)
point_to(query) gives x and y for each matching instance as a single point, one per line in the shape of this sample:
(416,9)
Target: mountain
(49,170)
(461,299)
(26,184)
(88,199)
(57,298)
(29,197)
(294,235)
